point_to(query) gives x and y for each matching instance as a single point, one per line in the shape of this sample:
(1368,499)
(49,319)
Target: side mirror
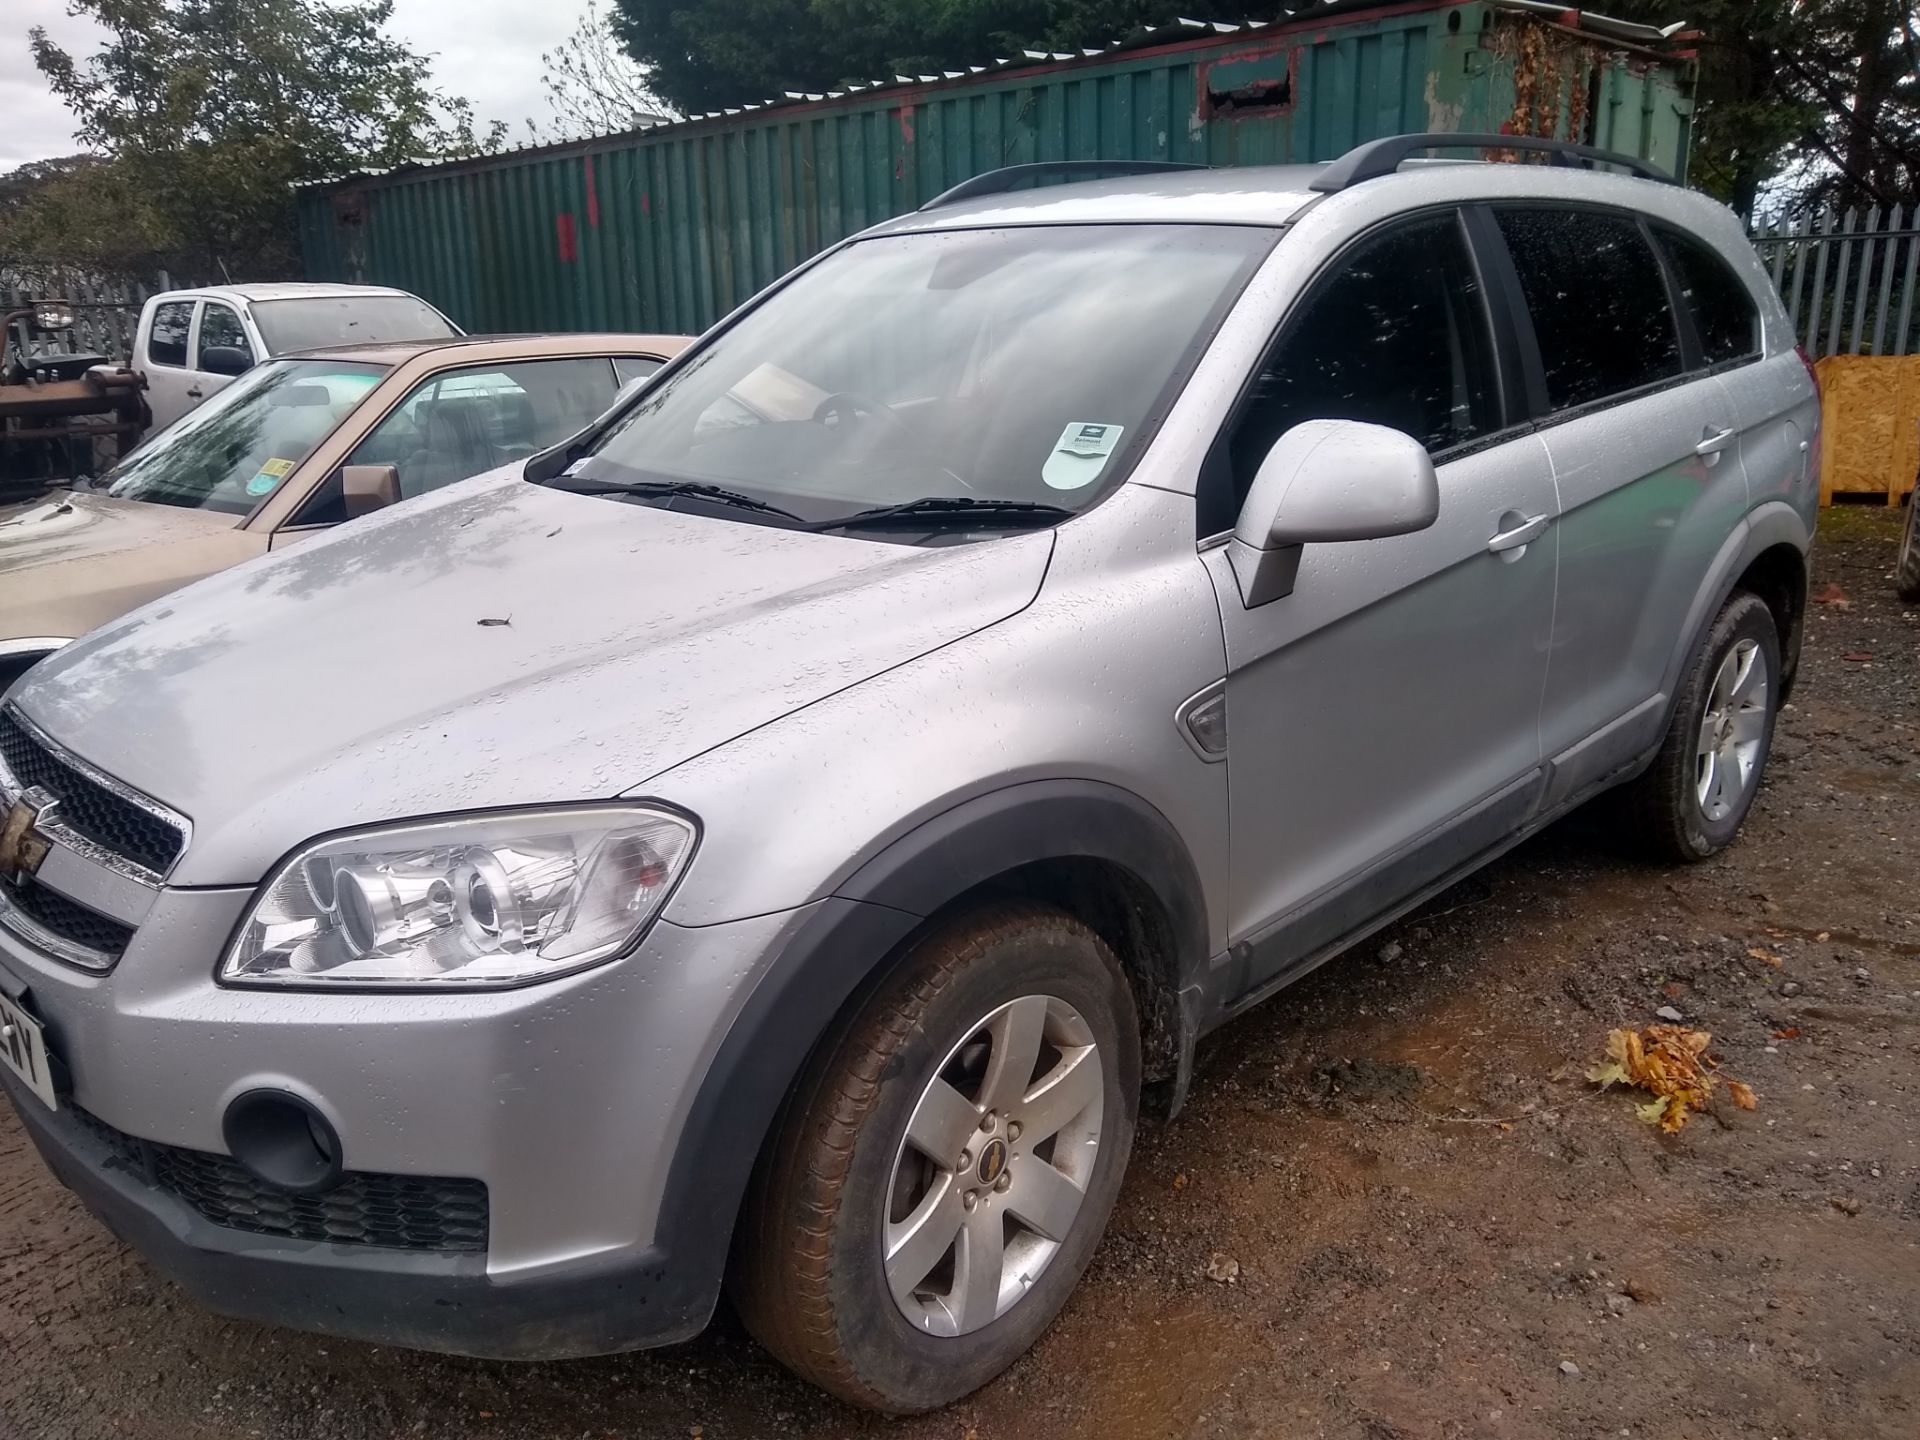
(1328,480)
(366,488)
(225,360)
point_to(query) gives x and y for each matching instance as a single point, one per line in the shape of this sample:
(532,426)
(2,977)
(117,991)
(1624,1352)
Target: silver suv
(775,836)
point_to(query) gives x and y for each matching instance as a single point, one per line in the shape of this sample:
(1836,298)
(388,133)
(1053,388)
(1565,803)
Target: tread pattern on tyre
(782,1289)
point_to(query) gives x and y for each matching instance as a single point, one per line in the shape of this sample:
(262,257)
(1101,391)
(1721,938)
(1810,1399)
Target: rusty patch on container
(566,241)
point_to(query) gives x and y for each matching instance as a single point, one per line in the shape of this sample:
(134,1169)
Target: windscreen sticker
(1080,455)
(272,472)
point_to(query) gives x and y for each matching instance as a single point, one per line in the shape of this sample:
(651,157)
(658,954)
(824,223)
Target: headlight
(487,900)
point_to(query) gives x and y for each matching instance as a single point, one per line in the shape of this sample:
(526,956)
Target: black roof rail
(1382,157)
(995,182)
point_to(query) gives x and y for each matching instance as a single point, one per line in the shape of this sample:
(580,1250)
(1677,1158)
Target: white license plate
(23,1050)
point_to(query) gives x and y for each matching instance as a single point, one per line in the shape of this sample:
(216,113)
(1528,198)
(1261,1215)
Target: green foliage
(1808,101)
(208,112)
(728,52)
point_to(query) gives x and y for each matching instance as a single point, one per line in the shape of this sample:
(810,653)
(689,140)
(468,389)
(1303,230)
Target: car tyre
(999,1012)
(1906,571)
(1690,802)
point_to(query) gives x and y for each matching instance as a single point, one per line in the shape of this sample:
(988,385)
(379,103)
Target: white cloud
(486,50)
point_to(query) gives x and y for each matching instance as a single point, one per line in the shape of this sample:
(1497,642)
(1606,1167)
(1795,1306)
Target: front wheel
(948,1164)
(1690,802)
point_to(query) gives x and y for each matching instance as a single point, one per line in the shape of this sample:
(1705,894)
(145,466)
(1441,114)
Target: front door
(1384,717)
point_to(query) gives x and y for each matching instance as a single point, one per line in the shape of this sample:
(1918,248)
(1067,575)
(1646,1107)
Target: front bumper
(569,1101)
(388,1297)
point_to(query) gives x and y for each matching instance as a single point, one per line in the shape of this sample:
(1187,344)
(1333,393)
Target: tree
(1809,101)
(593,86)
(211,111)
(716,53)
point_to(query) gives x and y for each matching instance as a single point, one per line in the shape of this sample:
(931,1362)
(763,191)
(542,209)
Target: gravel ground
(1393,1209)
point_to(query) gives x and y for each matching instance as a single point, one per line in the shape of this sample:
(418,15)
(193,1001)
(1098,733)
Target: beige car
(294,446)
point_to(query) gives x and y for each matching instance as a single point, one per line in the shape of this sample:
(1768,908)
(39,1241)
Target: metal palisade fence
(1848,279)
(106,308)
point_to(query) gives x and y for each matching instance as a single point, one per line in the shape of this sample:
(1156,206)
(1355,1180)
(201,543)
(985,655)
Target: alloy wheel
(989,1179)
(1731,731)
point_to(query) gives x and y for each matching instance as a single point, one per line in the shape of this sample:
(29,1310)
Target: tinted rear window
(289,325)
(1723,310)
(1598,300)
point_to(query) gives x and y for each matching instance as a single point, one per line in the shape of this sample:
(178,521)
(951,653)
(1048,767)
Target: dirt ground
(1393,1209)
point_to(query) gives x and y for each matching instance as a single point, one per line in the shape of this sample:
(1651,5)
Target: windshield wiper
(719,494)
(964,507)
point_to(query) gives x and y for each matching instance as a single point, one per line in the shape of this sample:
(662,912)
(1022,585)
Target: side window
(1598,301)
(629,368)
(1397,336)
(466,421)
(167,344)
(220,325)
(1723,310)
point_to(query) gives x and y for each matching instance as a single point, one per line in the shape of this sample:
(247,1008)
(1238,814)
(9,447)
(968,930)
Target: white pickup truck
(191,343)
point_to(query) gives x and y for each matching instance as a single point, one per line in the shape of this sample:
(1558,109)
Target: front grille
(68,920)
(86,806)
(398,1212)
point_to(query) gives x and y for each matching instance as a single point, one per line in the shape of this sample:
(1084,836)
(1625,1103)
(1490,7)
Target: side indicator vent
(1202,719)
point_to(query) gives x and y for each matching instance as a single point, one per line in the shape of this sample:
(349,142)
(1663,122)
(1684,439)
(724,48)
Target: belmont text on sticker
(1080,455)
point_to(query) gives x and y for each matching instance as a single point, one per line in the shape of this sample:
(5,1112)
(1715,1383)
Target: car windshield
(1024,364)
(235,450)
(316,322)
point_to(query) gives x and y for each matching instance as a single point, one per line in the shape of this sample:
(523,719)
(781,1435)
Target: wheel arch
(1768,555)
(1096,850)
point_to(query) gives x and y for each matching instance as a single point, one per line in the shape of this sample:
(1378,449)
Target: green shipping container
(668,228)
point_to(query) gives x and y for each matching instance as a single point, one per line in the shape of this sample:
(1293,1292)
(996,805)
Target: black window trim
(1690,324)
(1544,416)
(1508,395)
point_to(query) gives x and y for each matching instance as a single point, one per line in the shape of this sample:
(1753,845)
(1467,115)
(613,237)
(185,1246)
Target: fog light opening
(284,1140)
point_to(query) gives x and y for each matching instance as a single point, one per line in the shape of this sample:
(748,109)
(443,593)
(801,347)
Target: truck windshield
(314,323)
(235,450)
(1027,364)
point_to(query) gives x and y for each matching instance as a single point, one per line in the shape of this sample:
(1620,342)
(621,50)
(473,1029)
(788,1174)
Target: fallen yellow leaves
(1671,1063)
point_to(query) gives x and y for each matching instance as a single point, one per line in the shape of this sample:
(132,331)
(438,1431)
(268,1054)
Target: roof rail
(996,182)
(1382,157)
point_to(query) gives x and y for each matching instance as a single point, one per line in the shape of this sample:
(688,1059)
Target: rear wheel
(1690,802)
(947,1166)
(1906,572)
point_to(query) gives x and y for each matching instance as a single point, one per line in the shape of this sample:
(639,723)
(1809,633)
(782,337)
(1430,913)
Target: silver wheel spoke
(978,1265)
(1063,1093)
(1707,781)
(921,1241)
(1717,802)
(1043,1199)
(1017,1033)
(1750,680)
(1749,725)
(943,1124)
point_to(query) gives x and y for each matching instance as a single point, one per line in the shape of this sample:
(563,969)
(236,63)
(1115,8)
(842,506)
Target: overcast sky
(486,50)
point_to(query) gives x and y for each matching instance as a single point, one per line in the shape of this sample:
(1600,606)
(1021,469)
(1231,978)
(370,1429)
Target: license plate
(23,1050)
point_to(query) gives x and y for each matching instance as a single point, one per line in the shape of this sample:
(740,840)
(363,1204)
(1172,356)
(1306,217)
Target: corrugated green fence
(667,229)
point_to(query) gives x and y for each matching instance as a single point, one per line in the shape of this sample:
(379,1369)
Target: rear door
(1646,460)
(166,362)
(1385,715)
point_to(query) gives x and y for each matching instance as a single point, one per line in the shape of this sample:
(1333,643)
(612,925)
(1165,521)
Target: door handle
(1520,534)
(1714,441)
(195,393)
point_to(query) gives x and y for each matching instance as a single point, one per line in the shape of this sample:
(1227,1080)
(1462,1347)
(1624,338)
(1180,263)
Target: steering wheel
(844,405)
